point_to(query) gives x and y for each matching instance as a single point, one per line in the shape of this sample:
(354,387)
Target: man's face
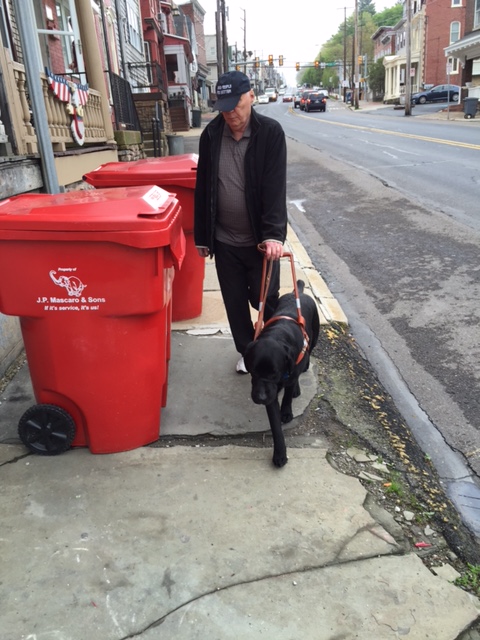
(238,118)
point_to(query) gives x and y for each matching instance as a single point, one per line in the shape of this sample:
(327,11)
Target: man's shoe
(241,368)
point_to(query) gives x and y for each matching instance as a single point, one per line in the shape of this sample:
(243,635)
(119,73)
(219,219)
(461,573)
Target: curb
(328,305)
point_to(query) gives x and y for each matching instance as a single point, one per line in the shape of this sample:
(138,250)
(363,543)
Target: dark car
(303,98)
(440,93)
(316,101)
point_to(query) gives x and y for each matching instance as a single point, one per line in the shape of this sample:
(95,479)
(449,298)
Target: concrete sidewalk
(207,542)
(185,543)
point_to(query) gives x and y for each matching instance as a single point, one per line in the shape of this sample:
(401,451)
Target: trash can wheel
(467,116)
(46,429)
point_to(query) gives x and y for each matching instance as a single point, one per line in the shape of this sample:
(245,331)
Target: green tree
(343,42)
(376,79)
(366,6)
(390,16)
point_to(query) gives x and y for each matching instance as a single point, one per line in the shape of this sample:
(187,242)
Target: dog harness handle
(266,277)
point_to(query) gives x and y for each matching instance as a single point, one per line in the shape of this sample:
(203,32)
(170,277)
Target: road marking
(452,143)
(299,204)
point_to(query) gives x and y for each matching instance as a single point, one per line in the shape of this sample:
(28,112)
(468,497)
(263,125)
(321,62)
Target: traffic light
(297,66)
(270,60)
(360,59)
(237,67)
(280,61)
(257,62)
(316,64)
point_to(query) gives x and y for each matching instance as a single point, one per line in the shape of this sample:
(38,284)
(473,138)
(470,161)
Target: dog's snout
(263,393)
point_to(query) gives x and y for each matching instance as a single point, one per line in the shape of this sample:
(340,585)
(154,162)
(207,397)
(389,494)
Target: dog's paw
(287,416)
(280,459)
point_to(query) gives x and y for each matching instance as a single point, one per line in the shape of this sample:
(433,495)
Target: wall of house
(385,48)
(133,56)
(439,16)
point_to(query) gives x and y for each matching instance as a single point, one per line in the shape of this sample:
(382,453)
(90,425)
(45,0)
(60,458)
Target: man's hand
(203,252)
(273,250)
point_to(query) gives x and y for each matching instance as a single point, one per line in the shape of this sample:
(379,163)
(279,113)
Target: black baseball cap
(230,87)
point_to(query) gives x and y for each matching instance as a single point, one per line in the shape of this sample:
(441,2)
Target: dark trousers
(239,271)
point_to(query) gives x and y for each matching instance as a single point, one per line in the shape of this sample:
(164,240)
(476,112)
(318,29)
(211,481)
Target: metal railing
(146,76)
(126,116)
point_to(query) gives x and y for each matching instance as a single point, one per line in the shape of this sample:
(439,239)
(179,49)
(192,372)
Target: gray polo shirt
(233,224)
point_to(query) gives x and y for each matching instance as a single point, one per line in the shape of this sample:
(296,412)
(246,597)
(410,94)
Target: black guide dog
(276,359)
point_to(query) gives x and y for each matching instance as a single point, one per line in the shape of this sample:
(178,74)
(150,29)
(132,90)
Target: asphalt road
(388,211)
(436,162)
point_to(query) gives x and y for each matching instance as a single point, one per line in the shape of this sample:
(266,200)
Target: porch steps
(178,117)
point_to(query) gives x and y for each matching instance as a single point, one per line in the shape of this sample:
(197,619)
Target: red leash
(266,277)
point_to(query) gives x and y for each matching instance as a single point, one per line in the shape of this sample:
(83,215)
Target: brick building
(444,25)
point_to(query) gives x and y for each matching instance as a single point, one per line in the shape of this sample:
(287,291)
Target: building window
(134,25)
(476,19)
(163,21)
(453,62)
(456,3)
(454,32)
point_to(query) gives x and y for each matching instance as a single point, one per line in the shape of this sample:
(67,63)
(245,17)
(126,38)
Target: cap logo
(224,89)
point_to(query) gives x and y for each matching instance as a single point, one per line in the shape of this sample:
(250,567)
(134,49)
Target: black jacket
(265,181)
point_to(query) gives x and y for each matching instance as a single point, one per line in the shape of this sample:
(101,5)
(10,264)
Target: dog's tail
(300,286)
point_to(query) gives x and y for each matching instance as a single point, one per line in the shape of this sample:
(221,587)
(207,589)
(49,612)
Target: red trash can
(90,275)
(177,174)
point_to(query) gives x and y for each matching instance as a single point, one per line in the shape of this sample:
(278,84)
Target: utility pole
(344,53)
(244,41)
(408,60)
(224,37)
(218,32)
(356,54)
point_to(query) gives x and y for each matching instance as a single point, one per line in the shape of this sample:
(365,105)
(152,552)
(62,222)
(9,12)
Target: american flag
(59,86)
(82,90)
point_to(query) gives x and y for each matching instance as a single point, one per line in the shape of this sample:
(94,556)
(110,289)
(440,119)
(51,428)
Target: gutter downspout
(29,39)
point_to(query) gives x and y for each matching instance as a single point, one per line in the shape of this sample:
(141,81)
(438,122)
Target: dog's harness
(300,320)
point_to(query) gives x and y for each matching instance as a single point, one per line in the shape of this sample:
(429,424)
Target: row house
(445,43)
(395,62)
(126,61)
(84,82)
(466,49)
(383,42)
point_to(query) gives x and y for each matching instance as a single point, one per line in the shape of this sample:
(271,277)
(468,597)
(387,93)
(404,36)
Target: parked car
(316,101)
(288,97)
(296,99)
(263,99)
(271,92)
(440,93)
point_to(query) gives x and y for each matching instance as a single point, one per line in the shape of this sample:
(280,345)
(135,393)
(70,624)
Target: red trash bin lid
(178,170)
(140,216)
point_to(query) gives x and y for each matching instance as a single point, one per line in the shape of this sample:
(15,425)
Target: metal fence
(124,107)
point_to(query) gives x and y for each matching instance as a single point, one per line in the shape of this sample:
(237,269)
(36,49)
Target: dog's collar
(301,323)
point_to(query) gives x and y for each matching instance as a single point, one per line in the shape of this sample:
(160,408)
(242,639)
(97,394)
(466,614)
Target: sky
(276,28)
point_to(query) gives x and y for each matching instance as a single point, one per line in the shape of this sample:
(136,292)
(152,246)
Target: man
(240,202)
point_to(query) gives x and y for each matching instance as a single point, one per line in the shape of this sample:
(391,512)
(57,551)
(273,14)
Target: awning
(466,48)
